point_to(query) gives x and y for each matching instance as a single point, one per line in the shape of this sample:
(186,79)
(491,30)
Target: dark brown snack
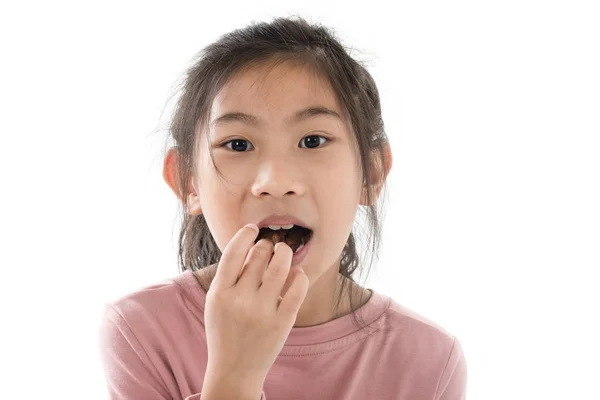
(293,237)
(294,241)
(275,238)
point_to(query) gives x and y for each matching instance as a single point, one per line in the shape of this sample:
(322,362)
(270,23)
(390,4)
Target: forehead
(273,94)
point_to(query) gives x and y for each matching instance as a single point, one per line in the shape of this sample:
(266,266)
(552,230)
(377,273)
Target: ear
(171,177)
(380,168)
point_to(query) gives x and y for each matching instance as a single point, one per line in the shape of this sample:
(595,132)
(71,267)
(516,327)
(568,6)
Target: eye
(312,144)
(237,145)
(241,145)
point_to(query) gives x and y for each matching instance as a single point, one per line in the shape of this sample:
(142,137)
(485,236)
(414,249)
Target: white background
(492,229)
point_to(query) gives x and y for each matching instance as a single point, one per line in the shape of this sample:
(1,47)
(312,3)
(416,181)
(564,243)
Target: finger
(277,271)
(293,298)
(256,263)
(234,254)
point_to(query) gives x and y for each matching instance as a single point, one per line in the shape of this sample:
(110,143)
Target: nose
(277,177)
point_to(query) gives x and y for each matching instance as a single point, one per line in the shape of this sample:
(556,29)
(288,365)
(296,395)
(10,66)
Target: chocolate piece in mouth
(293,237)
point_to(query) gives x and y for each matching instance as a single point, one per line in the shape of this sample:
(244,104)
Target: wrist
(221,385)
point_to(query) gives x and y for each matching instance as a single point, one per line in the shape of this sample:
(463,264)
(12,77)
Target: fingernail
(253,226)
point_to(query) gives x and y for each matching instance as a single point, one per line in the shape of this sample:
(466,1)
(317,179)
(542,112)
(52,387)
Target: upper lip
(286,219)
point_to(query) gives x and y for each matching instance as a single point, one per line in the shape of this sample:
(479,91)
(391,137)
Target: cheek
(345,176)
(234,169)
(338,207)
(221,211)
(222,232)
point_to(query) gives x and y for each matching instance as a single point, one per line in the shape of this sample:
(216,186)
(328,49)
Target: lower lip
(299,255)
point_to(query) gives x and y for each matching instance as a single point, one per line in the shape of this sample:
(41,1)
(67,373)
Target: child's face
(272,168)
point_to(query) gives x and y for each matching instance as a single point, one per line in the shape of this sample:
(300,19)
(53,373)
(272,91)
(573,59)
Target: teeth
(278,227)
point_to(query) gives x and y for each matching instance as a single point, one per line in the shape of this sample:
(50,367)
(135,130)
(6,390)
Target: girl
(279,141)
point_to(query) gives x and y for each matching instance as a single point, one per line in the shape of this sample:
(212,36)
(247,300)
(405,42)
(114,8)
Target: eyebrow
(248,119)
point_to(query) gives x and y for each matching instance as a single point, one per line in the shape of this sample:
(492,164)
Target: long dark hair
(281,40)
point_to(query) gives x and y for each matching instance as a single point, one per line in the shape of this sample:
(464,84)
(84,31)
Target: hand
(247,320)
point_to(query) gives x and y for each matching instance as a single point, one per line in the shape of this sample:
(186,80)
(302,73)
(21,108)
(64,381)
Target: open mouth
(296,237)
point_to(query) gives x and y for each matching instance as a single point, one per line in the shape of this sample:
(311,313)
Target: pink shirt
(153,346)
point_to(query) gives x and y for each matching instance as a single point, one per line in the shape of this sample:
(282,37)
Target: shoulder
(421,330)
(424,339)
(408,318)
(145,297)
(433,353)
(170,298)
(151,307)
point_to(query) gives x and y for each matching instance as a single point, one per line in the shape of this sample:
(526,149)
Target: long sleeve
(453,383)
